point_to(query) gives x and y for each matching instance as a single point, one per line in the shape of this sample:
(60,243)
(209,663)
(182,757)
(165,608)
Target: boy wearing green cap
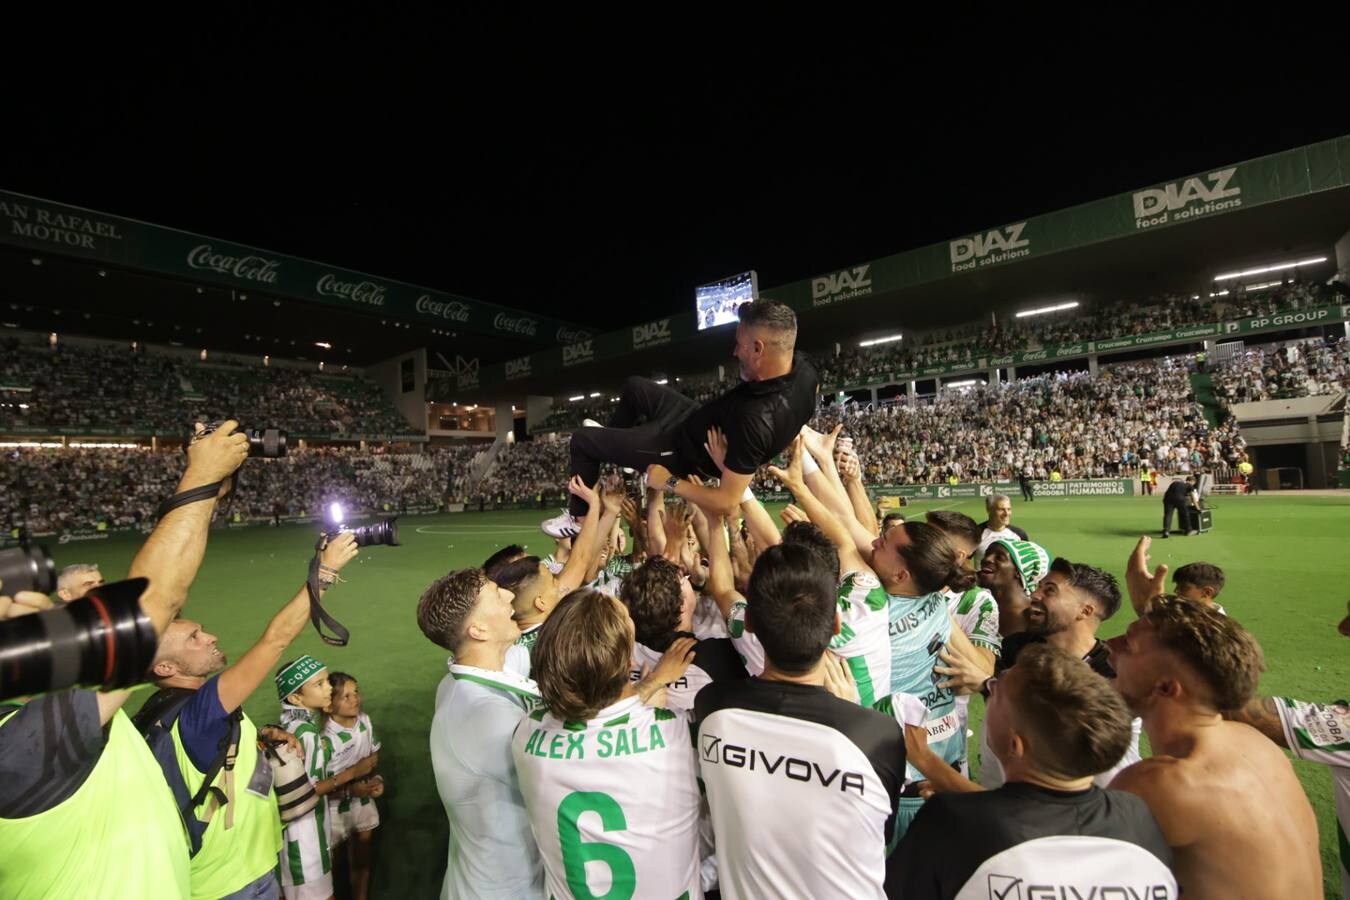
(306,866)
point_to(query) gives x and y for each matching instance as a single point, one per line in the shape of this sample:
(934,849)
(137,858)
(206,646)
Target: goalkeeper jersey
(919,628)
(613,802)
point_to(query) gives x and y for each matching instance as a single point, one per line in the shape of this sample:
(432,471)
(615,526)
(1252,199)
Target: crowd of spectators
(103,387)
(1283,371)
(70,489)
(1073,424)
(968,343)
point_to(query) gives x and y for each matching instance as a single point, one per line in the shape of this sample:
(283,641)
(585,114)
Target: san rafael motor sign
(37,223)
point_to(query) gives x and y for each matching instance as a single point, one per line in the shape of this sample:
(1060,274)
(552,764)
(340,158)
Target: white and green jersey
(305,841)
(906,709)
(919,628)
(613,802)
(491,852)
(1320,733)
(350,746)
(861,639)
(610,579)
(518,655)
(976,614)
(708,621)
(976,611)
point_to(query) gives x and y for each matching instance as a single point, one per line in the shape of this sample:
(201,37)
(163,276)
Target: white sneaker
(563,526)
(590,423)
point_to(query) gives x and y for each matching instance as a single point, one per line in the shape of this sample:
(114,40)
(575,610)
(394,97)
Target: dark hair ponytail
(961,579)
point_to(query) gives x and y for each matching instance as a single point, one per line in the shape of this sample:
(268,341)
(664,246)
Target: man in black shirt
(1065,611)
(665,433)
(1049,831)
(1181,497)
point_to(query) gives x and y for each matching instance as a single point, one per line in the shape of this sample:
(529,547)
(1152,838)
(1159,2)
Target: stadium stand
(143,393)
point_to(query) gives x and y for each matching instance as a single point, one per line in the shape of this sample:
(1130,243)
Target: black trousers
(1183,511)
(640,432)
(1027,493)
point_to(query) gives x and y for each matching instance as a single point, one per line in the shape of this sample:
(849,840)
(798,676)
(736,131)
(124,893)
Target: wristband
(809,464)
(671,482)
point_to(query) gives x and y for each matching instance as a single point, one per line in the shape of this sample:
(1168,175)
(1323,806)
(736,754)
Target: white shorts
(319,889)
(363,815)
(306,866)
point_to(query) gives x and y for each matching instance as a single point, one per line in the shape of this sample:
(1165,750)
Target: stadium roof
(64,268)
(1169,237)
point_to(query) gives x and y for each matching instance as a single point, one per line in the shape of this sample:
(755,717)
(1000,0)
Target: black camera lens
(102,640)
(269,443)
(26,568)
(377,533)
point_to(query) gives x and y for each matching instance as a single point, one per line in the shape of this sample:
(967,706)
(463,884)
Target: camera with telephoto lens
(103,640)
(268,443)
(373,535)
(26,568)
(377,533)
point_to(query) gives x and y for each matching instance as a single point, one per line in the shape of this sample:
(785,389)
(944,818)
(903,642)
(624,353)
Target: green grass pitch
(1288,581)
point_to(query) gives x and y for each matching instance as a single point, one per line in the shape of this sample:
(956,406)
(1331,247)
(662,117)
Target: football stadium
(1012,555)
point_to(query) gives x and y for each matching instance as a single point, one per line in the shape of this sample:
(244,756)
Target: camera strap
(205,492)
(317,614)
(197,494)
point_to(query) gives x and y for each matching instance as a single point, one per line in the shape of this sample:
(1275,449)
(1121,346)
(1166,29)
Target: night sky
(598,170)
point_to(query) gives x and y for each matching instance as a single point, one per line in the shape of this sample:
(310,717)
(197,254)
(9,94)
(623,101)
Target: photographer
(82,801)
(242,837)
(77,580)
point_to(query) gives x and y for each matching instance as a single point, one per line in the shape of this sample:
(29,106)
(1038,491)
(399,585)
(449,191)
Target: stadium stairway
(1203,386)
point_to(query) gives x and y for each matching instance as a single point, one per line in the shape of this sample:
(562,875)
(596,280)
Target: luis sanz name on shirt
(916,618)
(603,743)
(774,763)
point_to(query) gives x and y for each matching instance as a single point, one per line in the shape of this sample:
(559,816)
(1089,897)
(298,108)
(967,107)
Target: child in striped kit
(352,813)
(306,862)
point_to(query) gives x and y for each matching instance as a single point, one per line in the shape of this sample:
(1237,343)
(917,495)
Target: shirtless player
(1228,801)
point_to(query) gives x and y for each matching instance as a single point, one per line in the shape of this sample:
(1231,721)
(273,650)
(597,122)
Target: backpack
(155,721)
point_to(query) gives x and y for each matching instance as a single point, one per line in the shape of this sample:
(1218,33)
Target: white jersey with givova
(613,802)
(802,788)
(715,659)
(1320,733)
(861,640)
(919,628)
